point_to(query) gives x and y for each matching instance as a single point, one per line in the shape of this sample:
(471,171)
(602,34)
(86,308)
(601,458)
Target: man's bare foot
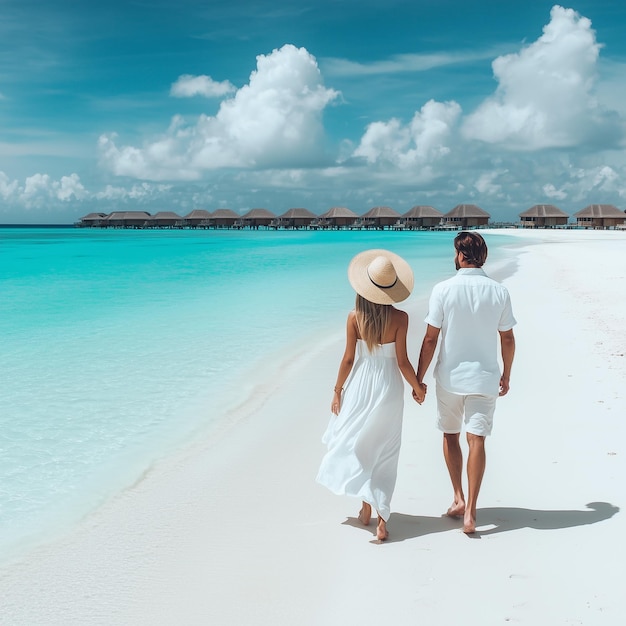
(457,509)
(469,523)
(381,530)
(365,514)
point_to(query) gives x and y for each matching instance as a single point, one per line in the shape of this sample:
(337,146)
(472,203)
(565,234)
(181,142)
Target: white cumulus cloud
(274,120)
(69,187)
(601,181)
(42,191)
(37,184)
(487,185)
(137,192)
(553,193)
(8,188)
(188,86)
(422,141)
(545,92)
(587,184)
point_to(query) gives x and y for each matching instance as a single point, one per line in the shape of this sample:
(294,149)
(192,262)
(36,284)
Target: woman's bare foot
(365,514)
(469,523)
(457,509)
(381,529)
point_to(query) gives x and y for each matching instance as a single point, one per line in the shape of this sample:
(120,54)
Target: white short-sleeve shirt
(470,309)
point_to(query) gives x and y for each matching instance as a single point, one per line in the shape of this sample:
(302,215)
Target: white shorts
(477,410)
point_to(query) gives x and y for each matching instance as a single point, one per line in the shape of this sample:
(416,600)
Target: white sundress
(364,439)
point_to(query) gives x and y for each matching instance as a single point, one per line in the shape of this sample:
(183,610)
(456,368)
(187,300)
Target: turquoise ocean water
(117,346)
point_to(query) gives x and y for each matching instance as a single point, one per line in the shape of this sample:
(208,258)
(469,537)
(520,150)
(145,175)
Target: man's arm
(429,344)
(507,345)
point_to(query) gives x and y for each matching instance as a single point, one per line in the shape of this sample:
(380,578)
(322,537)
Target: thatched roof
(600,211)
(93,216)
(198,214)
(128,215)
(422,210)
(293,214)
(467,210)
(166,215)
(543,210)
(338,212)
(381,211)
(224,214)
(259,214)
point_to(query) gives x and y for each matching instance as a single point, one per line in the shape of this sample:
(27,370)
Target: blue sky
(175,105)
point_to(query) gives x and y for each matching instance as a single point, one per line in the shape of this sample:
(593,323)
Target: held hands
(420,393)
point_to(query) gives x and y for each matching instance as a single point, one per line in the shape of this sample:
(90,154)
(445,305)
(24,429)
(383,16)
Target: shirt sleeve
(435,308)
(507,321)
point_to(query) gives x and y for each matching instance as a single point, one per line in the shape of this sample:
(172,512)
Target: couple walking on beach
(363,437)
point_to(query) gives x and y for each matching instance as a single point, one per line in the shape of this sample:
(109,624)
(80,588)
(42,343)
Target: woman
(363,436)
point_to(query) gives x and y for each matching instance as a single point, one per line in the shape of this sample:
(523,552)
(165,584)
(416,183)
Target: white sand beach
(234,530)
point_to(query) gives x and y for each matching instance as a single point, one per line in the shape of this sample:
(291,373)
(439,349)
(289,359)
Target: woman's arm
(347,361)
(419,390)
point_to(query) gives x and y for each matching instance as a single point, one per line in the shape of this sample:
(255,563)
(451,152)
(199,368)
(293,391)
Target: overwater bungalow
(197,218)
(296,218)
(380,217)
(466,216)
(223,218)
(91,219)
(126,219)
(257,217)
(337,217)
(600,216)
(543,216)
(164,219)
(422,216)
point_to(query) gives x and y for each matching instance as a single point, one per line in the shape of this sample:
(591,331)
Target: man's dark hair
(472,246)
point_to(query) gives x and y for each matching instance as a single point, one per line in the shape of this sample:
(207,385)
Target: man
(469,311)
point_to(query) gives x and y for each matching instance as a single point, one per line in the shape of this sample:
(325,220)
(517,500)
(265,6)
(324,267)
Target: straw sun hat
(381,276)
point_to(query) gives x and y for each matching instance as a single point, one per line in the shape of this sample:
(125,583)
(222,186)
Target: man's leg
(450,408)
(454,460)
(476,462)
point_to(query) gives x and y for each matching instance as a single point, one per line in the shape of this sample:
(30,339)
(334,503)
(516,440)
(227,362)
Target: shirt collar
(476,271)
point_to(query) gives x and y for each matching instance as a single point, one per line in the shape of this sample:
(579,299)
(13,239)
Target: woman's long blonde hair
(372,321)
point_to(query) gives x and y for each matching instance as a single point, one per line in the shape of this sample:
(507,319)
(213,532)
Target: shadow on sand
(491,521)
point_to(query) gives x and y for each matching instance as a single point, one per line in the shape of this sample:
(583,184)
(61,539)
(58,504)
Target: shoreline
(233,530)
(199,407)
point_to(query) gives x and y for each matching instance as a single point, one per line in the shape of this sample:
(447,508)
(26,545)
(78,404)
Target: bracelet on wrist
(338,390)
